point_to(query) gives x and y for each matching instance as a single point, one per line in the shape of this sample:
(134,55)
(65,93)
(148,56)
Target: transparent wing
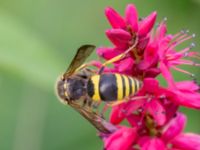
(82,54)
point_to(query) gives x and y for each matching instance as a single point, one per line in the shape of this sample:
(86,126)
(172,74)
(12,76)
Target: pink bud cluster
(154,122)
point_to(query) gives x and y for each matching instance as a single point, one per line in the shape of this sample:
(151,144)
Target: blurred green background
(37,42)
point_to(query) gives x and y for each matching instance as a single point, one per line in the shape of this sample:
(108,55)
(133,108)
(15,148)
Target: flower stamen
(183,71)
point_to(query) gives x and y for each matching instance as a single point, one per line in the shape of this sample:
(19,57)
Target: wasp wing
(81,55)
(98,122)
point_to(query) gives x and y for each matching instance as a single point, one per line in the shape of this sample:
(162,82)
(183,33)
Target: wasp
(78,82)
(80,85)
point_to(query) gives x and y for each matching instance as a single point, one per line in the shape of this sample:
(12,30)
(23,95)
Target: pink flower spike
(132,17)
(187,141)
(122,139)
(119,37)
(114,18)
(147,24)
(174,127)
(153,144)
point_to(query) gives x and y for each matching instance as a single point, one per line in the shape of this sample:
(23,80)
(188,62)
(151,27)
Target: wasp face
(62,89)
(71,89)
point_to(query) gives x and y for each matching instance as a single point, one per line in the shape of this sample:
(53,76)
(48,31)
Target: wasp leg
(112,104)
(118,57)
(84,66)
(84,102)
(95,106)
(105,108)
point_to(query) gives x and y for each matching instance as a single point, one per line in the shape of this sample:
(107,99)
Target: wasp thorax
(76,88)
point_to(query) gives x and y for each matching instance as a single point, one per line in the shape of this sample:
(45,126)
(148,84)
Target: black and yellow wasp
(78,82)
(80,85)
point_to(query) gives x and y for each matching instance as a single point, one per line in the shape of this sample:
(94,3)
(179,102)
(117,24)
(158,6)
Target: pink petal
(187,94)
(142,44)
(121,139)
(133,105)
(135,121)
(170,108)
(157,111)
(187,141)
(191,100)
(132,17)
(174,127)
(147,24)
(150,57)
(152,72)
(108,53)
(187,86)
(150,85)
(166,74)
(161,31)
(125,109)
(119,37)
(125,65)
(153,144)
(114,18)
(143,139)
(117,115)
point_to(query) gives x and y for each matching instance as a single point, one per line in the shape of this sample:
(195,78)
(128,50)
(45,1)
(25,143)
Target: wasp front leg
(85,66)
(118,57)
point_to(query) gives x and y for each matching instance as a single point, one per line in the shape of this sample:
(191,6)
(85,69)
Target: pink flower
(152,114)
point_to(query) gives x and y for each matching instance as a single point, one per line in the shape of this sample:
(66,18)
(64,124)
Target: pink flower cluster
(154,122)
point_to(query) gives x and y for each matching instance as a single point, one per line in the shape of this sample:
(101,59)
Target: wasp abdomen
(111,87)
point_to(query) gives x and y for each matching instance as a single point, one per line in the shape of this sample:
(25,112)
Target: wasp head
(70,89)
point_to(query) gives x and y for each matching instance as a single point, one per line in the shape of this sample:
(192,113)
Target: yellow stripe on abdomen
(95,80)
(133,86)
(119,87)
(126,86)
